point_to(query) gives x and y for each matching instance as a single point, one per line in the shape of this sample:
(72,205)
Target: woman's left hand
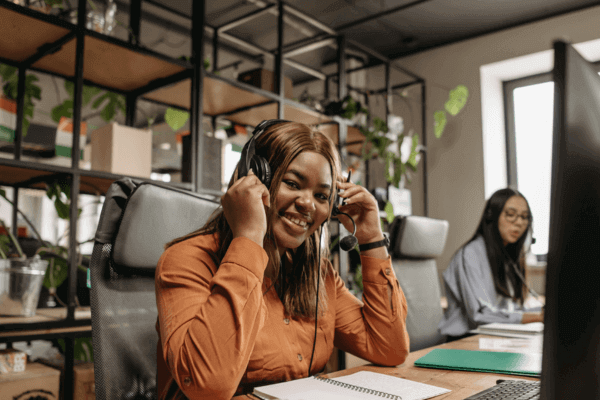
(363,208)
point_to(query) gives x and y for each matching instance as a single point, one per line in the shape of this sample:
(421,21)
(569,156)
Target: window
(529,105)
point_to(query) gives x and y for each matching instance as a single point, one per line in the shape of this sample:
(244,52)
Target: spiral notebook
(357,386)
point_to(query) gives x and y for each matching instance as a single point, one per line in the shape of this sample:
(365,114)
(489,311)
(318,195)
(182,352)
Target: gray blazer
(472,297)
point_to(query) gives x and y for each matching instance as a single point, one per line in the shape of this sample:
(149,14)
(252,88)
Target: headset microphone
(349,242)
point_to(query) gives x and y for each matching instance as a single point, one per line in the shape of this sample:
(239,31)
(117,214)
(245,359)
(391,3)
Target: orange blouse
(220,335)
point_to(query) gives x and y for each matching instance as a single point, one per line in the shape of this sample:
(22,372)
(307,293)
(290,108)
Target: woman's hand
(363,208)
(244,208)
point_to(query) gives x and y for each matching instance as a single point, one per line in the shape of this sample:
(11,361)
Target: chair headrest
(151,216)
(418,237)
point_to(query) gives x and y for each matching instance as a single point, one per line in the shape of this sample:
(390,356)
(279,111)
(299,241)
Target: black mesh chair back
(415,242)
(137,219)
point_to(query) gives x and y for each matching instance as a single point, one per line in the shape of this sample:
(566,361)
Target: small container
(20,285)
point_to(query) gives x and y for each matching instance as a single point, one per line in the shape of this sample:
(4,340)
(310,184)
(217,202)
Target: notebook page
(407,389)
(295,390)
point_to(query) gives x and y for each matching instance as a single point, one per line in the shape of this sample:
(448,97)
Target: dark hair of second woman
(498,255)
(279,145)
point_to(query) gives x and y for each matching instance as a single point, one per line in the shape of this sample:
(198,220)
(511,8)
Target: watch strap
(368,246)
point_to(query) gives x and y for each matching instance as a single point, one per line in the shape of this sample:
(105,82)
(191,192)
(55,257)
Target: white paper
(516,345)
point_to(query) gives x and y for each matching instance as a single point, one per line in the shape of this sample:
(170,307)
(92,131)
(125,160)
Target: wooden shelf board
(91,182)
(255,115)
(47,314)
(22,35)
(109,65)
(219,97)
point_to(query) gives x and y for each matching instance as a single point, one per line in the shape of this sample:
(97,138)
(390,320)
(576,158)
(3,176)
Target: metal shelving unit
(34,41)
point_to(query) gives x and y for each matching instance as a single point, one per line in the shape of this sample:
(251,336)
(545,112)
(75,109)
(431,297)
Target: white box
(122,150)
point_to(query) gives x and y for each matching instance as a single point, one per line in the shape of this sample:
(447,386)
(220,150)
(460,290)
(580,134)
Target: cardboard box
(84,386)
(122,150)
(12,360)
(263,78)
(36,382)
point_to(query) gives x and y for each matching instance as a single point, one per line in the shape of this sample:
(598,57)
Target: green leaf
(61,208)
(412,159)
(389,212)
(62,110)
(108,112)
(6,72)
(56,274)
(70,88)
(99,100)
(176,119)
(88,93)
(26,124)
(2,192)
(440,121)
(457,99)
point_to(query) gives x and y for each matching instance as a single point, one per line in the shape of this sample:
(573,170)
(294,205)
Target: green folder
(525,364)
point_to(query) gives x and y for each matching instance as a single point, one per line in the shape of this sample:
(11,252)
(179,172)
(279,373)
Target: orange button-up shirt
(220,334)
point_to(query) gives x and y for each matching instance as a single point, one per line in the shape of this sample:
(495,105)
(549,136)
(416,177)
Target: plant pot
(20,285)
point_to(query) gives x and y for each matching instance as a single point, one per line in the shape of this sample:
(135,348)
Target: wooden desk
(461,383)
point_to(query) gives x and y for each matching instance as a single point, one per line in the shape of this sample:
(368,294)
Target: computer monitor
(571,352)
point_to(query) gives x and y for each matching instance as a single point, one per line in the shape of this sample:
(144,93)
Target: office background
(458,183)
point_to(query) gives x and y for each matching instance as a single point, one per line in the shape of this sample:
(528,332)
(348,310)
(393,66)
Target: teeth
(297,221)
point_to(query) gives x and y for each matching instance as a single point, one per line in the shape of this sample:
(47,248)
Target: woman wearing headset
(485,281)
(248,299)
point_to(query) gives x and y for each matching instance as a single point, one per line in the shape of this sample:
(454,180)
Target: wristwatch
(368,246)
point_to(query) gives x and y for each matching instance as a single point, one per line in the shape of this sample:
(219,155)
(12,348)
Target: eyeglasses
(512,216)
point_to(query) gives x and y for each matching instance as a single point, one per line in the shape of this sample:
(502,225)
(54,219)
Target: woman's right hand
(244,208)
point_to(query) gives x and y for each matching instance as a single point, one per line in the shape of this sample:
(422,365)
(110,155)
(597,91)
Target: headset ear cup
(261,169)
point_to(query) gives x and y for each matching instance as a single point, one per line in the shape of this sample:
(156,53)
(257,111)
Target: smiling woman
(251,297)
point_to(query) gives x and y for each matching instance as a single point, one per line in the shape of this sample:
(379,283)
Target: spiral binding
(359,388)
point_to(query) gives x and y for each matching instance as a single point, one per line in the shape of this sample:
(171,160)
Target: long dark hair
(280,145)
(500,255)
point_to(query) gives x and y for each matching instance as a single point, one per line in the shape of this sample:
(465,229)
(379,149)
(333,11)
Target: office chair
(414,243)
(137,219)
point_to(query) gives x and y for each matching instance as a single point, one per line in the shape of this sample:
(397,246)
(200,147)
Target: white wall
(456,162)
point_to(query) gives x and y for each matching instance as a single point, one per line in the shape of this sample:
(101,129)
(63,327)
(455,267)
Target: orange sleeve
(209,317)
(373,330)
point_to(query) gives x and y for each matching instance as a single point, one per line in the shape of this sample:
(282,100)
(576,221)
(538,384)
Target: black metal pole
(15,219)
(279,83)
(73,208)
(424,153)
(215,51)
(135,13)
(130,106)
(197,136)
(342,135)
(20,113)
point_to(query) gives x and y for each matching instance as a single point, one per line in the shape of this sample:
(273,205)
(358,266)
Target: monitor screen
(571,353)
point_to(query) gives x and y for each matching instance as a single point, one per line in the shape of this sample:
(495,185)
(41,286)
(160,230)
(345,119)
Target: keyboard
(510,390)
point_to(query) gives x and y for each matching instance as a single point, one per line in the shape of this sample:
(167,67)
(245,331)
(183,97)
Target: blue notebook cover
(524,364)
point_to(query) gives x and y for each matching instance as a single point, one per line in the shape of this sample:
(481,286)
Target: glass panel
(533,132)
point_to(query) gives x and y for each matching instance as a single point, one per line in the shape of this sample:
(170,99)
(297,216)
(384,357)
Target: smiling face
(515,207)
(302,200)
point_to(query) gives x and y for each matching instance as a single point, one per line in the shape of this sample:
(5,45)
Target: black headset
(250,160)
